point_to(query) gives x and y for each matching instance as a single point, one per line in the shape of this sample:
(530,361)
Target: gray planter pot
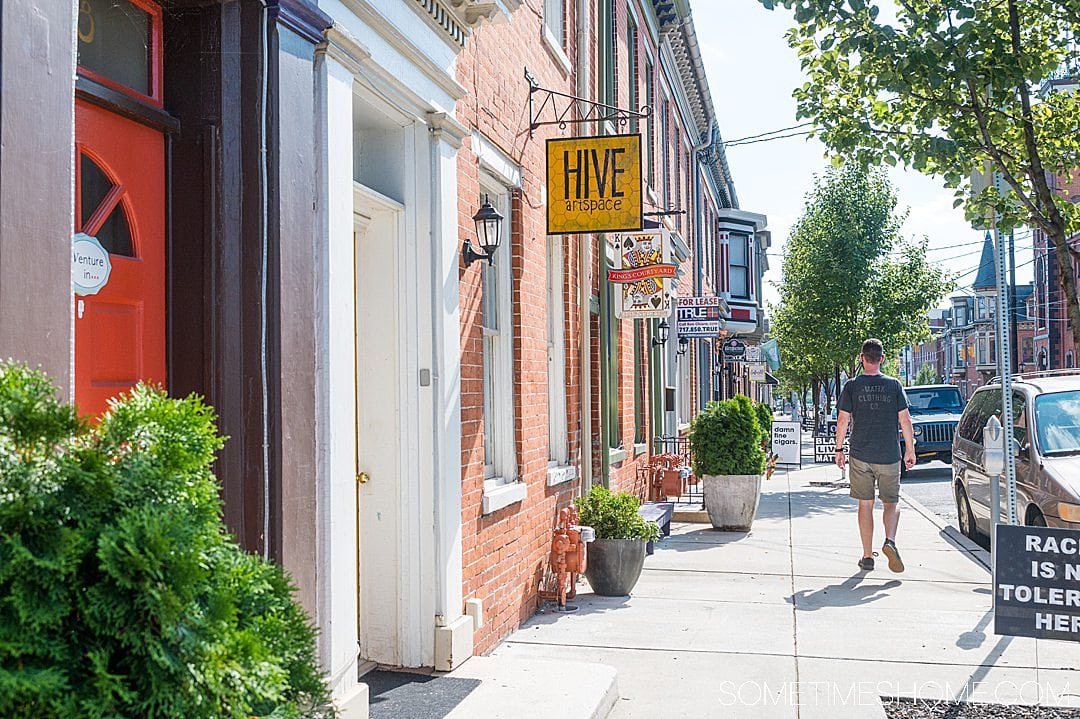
(732,500)
(614,565)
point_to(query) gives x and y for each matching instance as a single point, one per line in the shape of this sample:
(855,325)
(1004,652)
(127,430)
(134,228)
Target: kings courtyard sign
(594,184)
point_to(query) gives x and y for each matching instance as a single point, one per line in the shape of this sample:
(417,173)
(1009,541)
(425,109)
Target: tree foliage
(953,88)
(848,275)
(121,595)
(926,375)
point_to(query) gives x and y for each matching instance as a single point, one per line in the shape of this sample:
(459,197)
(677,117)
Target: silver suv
(1046,418)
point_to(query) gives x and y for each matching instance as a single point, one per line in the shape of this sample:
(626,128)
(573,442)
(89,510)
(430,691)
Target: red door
(120,200)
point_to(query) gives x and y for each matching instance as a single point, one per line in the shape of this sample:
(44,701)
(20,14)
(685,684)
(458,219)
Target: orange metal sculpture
(567,559)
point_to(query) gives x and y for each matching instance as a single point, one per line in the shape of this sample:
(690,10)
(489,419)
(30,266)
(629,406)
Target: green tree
(926,374)
(848,275)
(951,87)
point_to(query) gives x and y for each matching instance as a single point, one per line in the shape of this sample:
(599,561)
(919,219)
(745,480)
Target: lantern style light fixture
(684,344)
(488,228)
(662,331)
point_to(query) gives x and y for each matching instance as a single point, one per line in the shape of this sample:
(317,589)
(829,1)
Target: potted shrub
(726,441)
(617,554)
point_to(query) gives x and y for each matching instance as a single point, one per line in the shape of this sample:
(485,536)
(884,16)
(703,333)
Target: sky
(752,73)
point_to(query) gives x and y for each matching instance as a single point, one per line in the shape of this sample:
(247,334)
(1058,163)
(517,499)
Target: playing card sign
(644,272)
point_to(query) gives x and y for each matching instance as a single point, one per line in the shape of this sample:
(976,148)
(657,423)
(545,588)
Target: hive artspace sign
(699,316)
(644,271)
(1037,582)
(594,184)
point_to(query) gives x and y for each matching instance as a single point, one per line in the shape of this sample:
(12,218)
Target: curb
(951,533)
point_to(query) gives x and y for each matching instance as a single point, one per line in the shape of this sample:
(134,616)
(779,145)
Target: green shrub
(614,515)
(725,438)
(764,417)
(121,595)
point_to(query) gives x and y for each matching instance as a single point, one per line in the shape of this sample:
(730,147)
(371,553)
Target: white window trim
(501,471)
(558,442)
(556,49)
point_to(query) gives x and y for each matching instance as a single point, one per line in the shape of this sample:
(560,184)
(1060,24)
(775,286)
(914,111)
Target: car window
(983,404)
(933,399)
(1057,422)
(1020,428)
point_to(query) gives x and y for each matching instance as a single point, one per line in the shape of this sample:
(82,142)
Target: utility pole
(1014,311)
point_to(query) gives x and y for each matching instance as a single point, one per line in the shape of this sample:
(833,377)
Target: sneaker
(889,550)
(866,564)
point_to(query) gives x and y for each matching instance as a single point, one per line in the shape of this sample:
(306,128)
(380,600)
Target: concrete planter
(615,565)
(732,500)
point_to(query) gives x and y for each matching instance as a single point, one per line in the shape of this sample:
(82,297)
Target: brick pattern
(505,553)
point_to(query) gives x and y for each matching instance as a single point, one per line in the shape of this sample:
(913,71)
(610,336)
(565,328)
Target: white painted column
(336,61)
(454,631)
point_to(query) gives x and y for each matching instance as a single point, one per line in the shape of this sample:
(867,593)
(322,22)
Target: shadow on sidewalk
(852,592)
(586,603)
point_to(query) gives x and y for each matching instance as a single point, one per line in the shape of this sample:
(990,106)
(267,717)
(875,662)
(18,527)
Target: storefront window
(118,44)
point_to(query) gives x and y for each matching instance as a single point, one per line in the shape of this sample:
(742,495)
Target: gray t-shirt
(874,402)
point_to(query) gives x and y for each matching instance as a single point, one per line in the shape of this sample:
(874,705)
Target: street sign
(787,442)
(734,349)
(1037,582)
(698,316)
(594,184)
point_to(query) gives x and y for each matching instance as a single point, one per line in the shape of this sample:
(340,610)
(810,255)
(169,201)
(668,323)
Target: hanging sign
(90,265)
(699,316)
(734,349)
(1037,582)
(757,372)
(594,184)
(644,270)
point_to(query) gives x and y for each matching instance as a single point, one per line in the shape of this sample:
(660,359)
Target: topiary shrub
(764,417)
(121,595)
(725,439)
(614,515)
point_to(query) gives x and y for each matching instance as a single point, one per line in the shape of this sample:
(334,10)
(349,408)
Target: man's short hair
(873,350)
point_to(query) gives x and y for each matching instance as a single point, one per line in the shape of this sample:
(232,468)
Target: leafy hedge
(614,515)
(764,417)
(121,595)
(726,438)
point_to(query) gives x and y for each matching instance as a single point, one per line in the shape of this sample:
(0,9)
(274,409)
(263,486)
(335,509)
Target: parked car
(1046,420)
(935,410)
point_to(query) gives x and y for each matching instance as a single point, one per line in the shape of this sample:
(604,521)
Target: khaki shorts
(864,476)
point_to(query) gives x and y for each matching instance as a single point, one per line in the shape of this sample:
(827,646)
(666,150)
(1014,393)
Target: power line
(764,134)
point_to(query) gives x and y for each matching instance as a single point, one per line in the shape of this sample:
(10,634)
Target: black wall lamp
(684,344)
(488,228)
(662,331)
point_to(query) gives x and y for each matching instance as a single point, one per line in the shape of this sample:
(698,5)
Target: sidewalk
(780,622)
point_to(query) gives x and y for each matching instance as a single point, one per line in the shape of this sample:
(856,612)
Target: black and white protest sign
(1037,582)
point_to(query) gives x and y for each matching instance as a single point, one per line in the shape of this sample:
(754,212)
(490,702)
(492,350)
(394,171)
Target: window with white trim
(500,460)
(558,451)
(555,21)
(739,266)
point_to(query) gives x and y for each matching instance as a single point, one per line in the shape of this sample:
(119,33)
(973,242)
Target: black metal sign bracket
(561,106)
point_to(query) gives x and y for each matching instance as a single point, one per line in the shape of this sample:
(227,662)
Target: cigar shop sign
(90,265)
(594,184)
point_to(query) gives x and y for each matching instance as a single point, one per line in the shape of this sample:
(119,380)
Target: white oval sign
(90,265)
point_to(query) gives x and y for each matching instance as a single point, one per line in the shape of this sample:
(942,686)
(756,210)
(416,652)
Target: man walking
(875,404)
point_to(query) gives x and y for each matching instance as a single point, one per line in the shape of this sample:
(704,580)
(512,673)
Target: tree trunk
(1068,284)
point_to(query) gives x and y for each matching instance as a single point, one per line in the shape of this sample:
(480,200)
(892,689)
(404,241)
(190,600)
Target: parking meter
(993,448)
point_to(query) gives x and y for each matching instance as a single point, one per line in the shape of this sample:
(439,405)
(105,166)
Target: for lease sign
(594,184)
(699,316)
(1037,582)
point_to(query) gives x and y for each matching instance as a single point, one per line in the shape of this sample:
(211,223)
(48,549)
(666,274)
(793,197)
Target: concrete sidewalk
(781,623)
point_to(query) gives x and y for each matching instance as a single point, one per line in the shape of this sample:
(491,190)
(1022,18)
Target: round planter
(732,500)
(615,565)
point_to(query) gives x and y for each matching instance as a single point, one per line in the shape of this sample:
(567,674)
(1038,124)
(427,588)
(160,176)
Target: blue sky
(752,73)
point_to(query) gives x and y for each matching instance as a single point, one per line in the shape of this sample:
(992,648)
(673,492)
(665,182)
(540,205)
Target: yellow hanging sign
(594,184)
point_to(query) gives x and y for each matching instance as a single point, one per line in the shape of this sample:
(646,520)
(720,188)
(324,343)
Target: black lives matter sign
(1037,582)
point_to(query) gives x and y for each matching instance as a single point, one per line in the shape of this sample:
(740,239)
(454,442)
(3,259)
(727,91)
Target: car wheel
(947,459)
(964,516)
(1036,519)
